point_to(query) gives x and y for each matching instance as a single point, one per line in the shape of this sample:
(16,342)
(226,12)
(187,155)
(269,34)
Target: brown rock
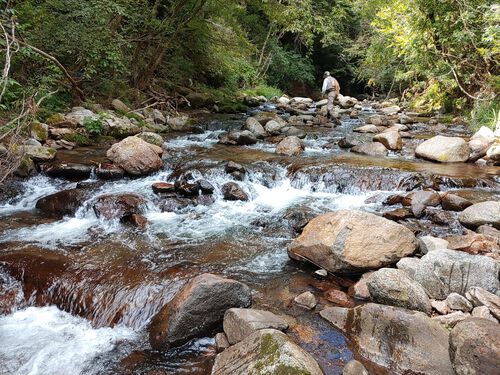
(118,206)
(339,298)
(391,140)
(398,214)
(370,149)
(452,202)
(163,187)
(233,192)
(290,146)
(136,156)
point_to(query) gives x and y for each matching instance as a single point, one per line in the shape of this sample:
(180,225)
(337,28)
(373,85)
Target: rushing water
(85,288)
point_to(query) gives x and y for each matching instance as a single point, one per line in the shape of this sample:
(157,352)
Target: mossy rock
(39,131)
(26,167)
(55,119)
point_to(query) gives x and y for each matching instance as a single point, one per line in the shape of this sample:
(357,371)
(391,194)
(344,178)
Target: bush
(93,127)
(484,114)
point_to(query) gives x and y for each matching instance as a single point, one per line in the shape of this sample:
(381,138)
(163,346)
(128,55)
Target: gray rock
(444,149)
(290,146)
(481,297)
(475,347)
(266,351)
(80,114)
(484,313)
(197,309)
(429,243)
(158,117)
(457,302)
(401,341)
(255,127)
(394,287)
(40,153)
(354,367)
(136,156)
(241,323)
(243,138)
(441,307)
(370,149)
(118,105)
(221,342)
(150,137)
(307,300)
(481,213)
(292,131)
(442,272)
(274,127)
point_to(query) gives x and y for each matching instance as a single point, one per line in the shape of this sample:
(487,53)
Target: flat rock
(480,214)
(481,297)
(451,319)
(370,149)
(444,149)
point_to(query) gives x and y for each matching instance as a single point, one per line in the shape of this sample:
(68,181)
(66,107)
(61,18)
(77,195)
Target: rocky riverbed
(274,241)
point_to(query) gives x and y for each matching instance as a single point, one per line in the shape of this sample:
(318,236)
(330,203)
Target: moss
(55,119)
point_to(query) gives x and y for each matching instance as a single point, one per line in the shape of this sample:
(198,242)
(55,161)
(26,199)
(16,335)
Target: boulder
(444,149)
(393,287)
(481,297)
(347,101)
(221,342)
(39,153)
(119,206)
(484,313)
(401,213)
(179,123)
(232,167)
(338,298)
(264,117)
(292,131)
(119,127)
(453,202)
(150,137)
(398,340)
(254,126)
(242,138)
(274,127)
(118,105)
(480,142)
(493,152)
(475,347)
(197,309)
(108,171)
(360,289)
(442,272)
(39,131)
(266,351)
(391,110)
(457,302)
(306,300)
(69,171)
(349,141)
(301,100)
(290,146)
(391,140)
(233,192)
(346,241)
(429,243)
(136,156)
(481,213)
(79,115)
(163,188)
(240,323)
(420,200)
(378,120)
(473,243)
(198,100)
(65,202)
(370,149)
(158,117)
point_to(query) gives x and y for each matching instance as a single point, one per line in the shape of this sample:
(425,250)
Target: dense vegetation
(441,55)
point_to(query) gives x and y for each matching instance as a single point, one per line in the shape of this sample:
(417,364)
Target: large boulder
(442,272)
(370,149)
(453,202)
(475,347)
(266,351)
(65,202)
(136,156)
(444,149)
(401,341)
(290,146)
(481,213)
(39,153)
(391,140)
(79,115)
(197,309)
(346,241)
(347,101)
(393,287)
(39,131)
(251,124)
(240,323)
(69,171)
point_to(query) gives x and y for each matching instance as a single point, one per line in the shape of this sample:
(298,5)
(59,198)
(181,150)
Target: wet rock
(367,129)
(39,131)
(204,200)
(292,131)
(205,186)
(65,202)
(233,192)
(173,204)
(109,172)
(274,127)
(306,300)
(187,189)
(393,287)
(420,200)
(137,221)
(290,146)
(360,289)
(378,120)
(240,323)
(231,167)
(150,137)
(442,272)
(481,297)
(484,313)
(118,206)
(339,298)
(242,138)
(453,202)
(255,127)
(298,219)
(349,142)
(444,149)
(221,342)
(266,351)
(370,149)
(481,214)
(163,188)
(393,199)
(391,140)
(197,309)
(457,302)
(429,243)
(136,156)
(394,338)
(69,171)
(354,367)
(450,320)
(39,153)
(118,105)
(346,241)
(398,214)
(475,347)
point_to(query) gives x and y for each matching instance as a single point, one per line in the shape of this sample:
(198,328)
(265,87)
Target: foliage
(485,114)
(93,127)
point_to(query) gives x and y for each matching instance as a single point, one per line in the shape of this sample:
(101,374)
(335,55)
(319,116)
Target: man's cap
(326,74)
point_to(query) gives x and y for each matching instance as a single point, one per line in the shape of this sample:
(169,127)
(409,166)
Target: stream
(78,291)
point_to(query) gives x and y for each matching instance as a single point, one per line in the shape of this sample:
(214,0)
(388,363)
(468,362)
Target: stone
(242,138)
(444,149)
(137,221)
(231,167)
(453,202)
(475,347)
(118,105)
(306,300)
(274,127)
(221,342)
(292,131)
(493,152)
(119,206)
(240,323)
(351,240)
(480,142)
(430,243)
(69,171)
(481,297)
(301,100)
(450,320)
(40,153)
(360,289)
(347,101)
(370,149)
(378,120)
(136,156)
(367,129)
(338,297)
(179,123)
(398,214)
(394,287)
(65,202)
(163,187)
(489,231)
(107,171)
(474,243)
(25,168)
(442,272)
(393,338)
(266,351)
(457,302)
(197,309)
(420,200)
(119,127)
(354,367)
(233,192)
(158,117)
(441,307)
(349,141)
(480,214)
(255,127)
(205,187)
(391,110)
(391,140)
(150,137)
(198,100)
(79,115)
(290,146)
(484,313)
(39,131)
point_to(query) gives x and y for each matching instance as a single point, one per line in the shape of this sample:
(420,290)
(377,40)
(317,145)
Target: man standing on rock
(331,88)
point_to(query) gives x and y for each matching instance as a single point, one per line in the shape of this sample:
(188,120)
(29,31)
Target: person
(331,88)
